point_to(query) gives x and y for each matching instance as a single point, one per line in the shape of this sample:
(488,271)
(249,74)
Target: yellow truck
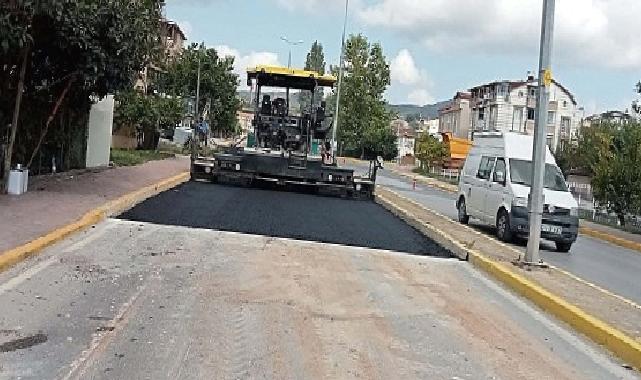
(457,148)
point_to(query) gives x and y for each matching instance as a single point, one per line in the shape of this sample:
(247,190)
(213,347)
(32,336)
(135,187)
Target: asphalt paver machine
(286,148)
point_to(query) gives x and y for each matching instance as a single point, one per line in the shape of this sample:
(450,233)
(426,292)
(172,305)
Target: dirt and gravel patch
(607,307)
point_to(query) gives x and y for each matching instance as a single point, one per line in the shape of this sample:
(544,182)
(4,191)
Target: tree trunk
(52,115)
(16,115)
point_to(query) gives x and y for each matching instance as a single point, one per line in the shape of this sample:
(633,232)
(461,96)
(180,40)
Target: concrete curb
(611,238)
(622,345)
(13,256)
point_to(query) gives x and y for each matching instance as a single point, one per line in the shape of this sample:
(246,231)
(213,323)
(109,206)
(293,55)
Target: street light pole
(197,116)
(289,59)
(537,200)
(340,82)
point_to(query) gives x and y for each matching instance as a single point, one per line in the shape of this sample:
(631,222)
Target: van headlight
(207,169)
(574,211)
(519,202)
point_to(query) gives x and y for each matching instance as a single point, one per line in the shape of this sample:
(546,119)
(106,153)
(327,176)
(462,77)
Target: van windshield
(521,173)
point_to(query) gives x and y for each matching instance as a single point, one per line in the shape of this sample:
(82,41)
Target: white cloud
(589,32)
(405,73)
(243,61)
(420,97)
(403,69)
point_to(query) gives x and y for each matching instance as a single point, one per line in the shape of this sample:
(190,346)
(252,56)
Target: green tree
(429,150)
(59,56)
(218,85)
(147,111)
(566,156)
(616,180)
(315,61)
(364,121)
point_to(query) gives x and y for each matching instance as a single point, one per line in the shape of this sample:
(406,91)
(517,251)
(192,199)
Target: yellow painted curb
(622,345)
(611,238)
(16,255)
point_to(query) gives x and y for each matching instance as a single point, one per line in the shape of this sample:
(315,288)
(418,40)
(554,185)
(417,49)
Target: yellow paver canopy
(276,76)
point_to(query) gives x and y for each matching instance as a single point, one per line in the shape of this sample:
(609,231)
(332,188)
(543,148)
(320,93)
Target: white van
(495,184)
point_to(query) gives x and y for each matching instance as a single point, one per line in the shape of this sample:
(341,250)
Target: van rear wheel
(462,212)
(503,229)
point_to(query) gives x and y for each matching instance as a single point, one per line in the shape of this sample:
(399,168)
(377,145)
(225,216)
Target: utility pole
(340,82)
(537,200)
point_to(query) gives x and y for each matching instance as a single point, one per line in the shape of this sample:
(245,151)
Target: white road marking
(22,277)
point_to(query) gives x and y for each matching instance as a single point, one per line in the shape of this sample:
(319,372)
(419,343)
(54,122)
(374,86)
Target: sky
(436,47)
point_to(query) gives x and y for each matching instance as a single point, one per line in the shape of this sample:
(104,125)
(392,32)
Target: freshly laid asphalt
(283,214)
(604,264)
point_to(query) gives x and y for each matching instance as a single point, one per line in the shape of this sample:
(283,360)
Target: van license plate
(552,229)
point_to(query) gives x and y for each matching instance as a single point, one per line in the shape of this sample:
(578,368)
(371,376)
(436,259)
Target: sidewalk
(54,201)
(612,231)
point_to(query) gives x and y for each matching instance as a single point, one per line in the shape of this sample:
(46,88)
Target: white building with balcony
(406,140)
(504,106)
(455,116)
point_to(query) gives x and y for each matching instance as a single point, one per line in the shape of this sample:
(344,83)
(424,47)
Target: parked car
(495,185)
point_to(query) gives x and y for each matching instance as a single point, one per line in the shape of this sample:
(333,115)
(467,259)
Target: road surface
(136,300)
(611,267)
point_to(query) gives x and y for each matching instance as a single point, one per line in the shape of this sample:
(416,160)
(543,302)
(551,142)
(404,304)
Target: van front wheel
(462,212)
(562,246)
(503,230)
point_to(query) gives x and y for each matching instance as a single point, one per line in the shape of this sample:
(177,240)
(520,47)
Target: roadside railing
(632,222)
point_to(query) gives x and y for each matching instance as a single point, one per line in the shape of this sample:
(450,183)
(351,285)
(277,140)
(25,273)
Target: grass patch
(126,157)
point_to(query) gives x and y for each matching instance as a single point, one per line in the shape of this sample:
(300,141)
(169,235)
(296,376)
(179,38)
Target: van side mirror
(499,177)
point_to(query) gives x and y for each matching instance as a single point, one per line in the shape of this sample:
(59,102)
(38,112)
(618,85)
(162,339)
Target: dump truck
(457,149)
(286,148)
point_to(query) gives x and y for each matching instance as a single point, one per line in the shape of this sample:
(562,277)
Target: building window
(530,113)
(481,113)
(551,117)
(532,91)
(517,119)
(565,104)
(520,94)
(549,142)
(565,126)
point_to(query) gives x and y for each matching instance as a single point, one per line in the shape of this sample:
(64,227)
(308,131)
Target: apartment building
(173,40)
(406,141)
(455,117)
(504,106)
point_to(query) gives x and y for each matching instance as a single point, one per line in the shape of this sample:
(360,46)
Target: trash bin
(18,180)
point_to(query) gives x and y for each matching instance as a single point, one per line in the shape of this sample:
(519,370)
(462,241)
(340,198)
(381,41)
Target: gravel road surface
(133,300)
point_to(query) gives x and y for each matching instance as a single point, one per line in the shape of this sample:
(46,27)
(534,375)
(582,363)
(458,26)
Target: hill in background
(429,111)
(405,111)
